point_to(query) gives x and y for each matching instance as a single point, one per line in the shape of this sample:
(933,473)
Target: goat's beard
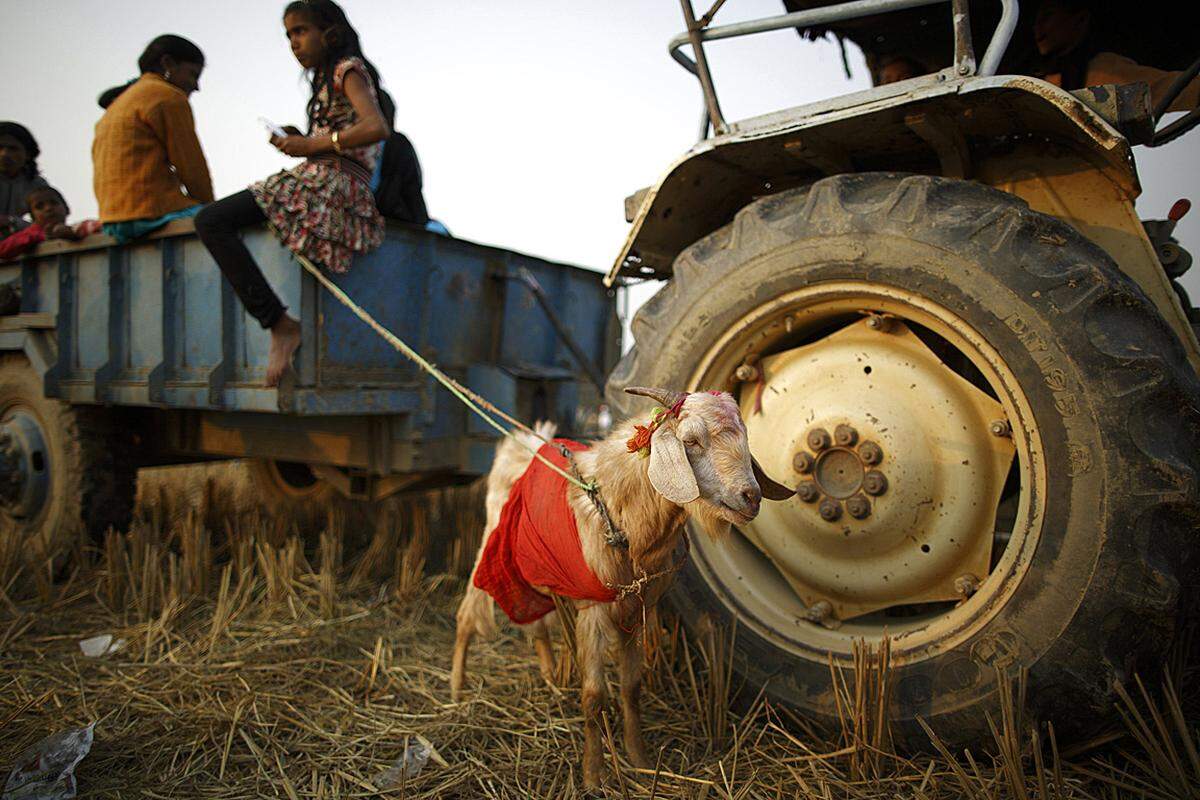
(713,520)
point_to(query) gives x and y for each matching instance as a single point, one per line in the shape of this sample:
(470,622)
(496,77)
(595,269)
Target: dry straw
(297,655)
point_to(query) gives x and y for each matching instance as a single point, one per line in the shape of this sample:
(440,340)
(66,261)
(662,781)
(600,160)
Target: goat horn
(665,397)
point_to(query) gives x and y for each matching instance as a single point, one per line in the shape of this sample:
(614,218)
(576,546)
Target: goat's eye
(690,443)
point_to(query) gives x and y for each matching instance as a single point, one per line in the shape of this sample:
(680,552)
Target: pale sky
(533,119)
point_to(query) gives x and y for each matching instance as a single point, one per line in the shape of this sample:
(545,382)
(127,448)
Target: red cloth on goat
(537,543)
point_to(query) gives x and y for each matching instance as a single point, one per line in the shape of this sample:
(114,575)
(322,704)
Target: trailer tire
(76,475)
(1101,594)
(285,484)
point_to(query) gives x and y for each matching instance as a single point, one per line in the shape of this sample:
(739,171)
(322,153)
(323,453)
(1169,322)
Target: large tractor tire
(66,472)
(993,433)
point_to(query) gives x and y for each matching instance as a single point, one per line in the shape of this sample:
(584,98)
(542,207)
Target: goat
(699,466)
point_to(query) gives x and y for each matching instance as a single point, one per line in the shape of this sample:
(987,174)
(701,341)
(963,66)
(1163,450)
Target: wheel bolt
(874,483)
(879,323)
(870,452)
(802,462)
(818,439)
(830,510)
(808,492)
(845,435)
(1000,427)
(859,507)
(819,611)
(966,585)
(746,373)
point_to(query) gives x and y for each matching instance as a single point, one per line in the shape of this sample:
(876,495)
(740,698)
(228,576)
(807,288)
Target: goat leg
(590,648)
(540,633)
(630,667)
(458,667)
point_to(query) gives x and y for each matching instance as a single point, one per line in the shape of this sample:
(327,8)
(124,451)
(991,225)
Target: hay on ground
(262,659)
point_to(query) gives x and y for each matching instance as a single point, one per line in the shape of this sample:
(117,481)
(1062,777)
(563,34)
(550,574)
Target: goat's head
(700,459)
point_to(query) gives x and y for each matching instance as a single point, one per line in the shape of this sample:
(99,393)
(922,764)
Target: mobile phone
(271,127)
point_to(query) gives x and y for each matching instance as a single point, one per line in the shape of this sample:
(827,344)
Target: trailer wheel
(290,489)
(994,435)
(65,471)
(287,483)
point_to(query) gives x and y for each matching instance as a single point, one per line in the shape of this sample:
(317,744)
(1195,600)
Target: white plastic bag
(102,645)
(417,753)
(46,771)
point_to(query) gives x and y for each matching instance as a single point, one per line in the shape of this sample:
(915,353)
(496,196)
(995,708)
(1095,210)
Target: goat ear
(770,489)
(670,473)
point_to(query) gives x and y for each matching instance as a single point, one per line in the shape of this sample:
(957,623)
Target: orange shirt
(146,153)
(1112,68)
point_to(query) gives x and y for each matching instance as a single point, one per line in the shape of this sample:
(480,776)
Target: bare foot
(285,338)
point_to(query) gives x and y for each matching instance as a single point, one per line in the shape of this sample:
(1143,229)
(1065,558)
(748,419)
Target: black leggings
(218,226)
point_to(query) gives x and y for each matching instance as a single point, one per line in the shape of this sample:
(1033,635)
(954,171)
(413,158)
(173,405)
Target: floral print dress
(323,208)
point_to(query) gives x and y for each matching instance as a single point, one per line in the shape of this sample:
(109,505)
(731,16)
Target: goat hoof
(593,781)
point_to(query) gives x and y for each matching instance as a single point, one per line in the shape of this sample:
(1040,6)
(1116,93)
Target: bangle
(337,146)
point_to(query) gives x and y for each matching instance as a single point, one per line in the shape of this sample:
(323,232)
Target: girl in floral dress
(323,208)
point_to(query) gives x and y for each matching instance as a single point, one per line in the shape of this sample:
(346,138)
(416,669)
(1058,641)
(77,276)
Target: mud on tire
(91,479)
(1118,421)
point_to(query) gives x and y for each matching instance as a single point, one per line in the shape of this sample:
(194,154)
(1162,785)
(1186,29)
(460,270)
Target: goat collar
(640,441)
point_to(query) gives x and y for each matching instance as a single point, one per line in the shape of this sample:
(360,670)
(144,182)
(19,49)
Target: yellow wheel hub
(899,464)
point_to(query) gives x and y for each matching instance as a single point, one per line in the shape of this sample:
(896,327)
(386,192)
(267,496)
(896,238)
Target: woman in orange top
(1074,55)
(147,162)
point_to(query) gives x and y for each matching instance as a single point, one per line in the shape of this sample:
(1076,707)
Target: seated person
(894,68)
(49,211)
(1074,58)
(397,181)
(18,174)
(148,165)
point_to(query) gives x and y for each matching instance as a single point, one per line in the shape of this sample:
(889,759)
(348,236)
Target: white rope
(472,400)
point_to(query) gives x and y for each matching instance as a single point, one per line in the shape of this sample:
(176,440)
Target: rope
(469,398)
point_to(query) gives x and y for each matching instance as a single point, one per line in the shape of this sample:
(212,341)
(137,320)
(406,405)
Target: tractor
(949,331)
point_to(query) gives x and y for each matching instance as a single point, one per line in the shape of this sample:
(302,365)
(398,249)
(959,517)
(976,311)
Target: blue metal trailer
(126,356)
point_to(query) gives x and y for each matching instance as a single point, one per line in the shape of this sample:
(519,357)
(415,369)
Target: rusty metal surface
(866,131)
(1125,106)
(964,50)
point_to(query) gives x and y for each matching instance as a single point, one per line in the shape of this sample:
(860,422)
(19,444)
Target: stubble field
(302,653)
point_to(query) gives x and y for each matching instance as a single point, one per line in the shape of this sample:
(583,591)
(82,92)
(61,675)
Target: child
(49,211)
(18,174)
(321,209)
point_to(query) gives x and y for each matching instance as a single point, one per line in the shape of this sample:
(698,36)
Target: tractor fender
(926,125)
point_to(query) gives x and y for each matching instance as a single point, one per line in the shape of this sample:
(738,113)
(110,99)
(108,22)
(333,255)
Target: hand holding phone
(272,128)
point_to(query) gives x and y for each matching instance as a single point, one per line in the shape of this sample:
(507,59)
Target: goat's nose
(752,496)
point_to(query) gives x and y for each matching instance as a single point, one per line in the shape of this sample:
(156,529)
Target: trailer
(122,357)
